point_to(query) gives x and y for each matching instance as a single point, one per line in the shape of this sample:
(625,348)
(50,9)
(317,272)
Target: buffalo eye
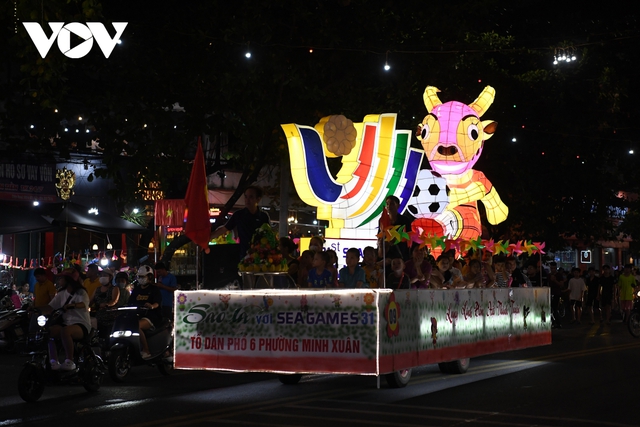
(473,132)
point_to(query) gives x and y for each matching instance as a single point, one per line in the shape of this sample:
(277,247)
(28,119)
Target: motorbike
(37,372)
(125,345)
(14,326)
(634,318)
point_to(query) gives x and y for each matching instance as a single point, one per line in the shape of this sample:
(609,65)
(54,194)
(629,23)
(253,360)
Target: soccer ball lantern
(430,195)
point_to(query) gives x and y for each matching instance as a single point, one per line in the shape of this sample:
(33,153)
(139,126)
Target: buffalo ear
(489,126)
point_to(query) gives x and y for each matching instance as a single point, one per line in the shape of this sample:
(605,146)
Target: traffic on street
(585,377)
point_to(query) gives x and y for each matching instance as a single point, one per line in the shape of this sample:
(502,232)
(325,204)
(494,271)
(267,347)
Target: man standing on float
(246,220)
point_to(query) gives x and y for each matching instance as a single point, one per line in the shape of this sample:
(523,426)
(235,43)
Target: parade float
(376,331)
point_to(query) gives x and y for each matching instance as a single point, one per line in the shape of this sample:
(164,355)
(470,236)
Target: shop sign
(27,181)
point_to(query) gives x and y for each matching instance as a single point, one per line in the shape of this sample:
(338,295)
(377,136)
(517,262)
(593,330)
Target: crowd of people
(400,266)
(84,297)
(596,293)
(386,267)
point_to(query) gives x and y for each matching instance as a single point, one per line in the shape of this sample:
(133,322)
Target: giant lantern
(378,161)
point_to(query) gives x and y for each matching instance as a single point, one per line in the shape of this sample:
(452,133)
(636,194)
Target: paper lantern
(453,137)
(430,195)
(378,161)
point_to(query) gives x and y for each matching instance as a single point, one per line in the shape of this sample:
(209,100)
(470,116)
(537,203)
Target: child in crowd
(445,276)
(372,270)
(288,249)
(533,274)
(332,265)
(319,275)
(304,265)
(418,268)
(397,279)
(316,244)
(473,278)
(352,276)
(502,277)
(577,288)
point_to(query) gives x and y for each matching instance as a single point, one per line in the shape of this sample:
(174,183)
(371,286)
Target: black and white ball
(430,195)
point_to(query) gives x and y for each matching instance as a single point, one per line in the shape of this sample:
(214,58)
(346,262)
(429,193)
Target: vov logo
(62,32)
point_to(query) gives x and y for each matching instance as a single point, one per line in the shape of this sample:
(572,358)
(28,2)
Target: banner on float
(421,327)
(277,330)
(358,331)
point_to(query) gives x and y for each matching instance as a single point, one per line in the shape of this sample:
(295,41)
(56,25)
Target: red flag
(385,221)
(198,227)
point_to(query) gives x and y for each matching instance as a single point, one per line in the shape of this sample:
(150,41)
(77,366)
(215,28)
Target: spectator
(556,283)
(418,268)
(319,275)
(26,297)
(288,248)
(332,265)
(473,278)
(501,274)
(397,278)
(304,266)
(626,287)
(92,282)
(593,294)
(486,269)
(352,275)
(316,244)
(577,288)
(445,276)
(518,278)
(44,290)
(168,284)
(533,275)
(372,270)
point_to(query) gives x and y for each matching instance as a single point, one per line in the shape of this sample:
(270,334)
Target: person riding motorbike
(73,299)
(104,298)
(106,295)
(122,281)
(146,296)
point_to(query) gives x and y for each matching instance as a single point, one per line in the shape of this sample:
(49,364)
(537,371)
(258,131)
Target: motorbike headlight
(638,294)
(42,320)
(121,334)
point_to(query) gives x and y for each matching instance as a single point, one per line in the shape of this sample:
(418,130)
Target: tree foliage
(572,123)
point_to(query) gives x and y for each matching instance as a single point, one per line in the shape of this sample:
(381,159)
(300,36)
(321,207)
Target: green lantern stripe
(399,160)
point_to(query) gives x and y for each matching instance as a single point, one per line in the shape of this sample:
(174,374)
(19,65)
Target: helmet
(144,270)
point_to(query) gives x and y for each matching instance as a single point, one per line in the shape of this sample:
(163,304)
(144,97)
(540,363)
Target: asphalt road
(587,377)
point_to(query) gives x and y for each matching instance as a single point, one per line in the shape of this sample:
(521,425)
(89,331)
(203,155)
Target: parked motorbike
(634,317)
(37,373)
(14,327)
(125,345)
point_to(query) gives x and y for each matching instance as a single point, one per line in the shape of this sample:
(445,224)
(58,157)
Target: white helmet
(144,270)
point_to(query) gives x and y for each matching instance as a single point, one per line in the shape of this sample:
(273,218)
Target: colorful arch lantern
(377,161)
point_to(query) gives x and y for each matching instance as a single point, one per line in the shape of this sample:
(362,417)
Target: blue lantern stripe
(322,185)
(411,175)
